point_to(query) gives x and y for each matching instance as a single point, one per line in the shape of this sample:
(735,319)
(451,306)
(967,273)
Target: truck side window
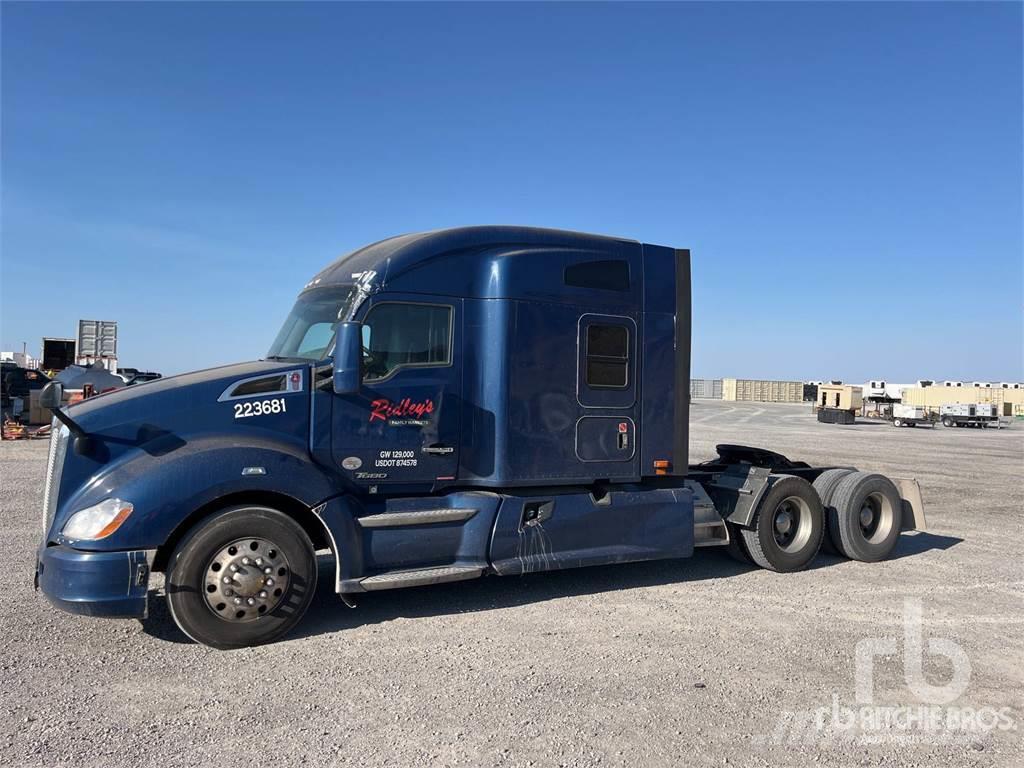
(607,356)
(397,335)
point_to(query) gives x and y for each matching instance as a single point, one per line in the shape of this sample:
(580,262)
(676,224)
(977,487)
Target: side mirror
(348,358)
(52,396)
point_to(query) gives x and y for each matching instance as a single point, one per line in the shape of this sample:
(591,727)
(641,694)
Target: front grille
(59,435)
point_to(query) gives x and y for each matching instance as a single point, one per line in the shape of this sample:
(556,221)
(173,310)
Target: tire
(825,484)
(789,500)
(219,600)
(866,516)
(735,548)
(897,423)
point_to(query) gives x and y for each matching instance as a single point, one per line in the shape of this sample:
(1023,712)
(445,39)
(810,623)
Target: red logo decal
(384,409)
(623,427)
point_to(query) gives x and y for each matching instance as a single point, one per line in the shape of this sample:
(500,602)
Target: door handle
(438,449)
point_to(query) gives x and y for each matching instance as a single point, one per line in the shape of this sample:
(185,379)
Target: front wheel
(897,423)
(242,577)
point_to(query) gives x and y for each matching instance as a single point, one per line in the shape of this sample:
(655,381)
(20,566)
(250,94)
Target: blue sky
(848,176)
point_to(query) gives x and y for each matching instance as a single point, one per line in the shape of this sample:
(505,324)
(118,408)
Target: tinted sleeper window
(607,356)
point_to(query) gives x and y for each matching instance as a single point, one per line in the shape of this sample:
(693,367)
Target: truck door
(402,429)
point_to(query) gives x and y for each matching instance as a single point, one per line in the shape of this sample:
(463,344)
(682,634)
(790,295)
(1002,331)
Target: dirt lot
(703,661)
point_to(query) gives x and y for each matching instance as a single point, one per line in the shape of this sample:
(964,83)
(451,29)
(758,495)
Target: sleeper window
(607,356)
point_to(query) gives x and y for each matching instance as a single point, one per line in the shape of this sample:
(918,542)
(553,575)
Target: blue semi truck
(436,407)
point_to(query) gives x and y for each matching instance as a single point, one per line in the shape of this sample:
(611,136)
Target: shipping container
(97,343)
(935,397)
(706,388)
(763,391)
(58,354)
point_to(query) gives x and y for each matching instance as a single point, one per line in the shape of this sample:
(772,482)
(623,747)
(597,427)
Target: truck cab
(436,407)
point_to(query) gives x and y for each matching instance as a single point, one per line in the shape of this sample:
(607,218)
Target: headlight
(99,521)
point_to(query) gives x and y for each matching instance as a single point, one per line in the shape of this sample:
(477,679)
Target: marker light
(98,521)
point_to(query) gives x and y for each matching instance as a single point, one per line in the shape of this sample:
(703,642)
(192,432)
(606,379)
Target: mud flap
(737,492)
(913,506)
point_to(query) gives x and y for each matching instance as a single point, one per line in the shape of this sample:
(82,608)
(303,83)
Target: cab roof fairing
(395,256)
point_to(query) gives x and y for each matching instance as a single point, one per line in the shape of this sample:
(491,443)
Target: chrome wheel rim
(791,524)
(246,579)
(876,517)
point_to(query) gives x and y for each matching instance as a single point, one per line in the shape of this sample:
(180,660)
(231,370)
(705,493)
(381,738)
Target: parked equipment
(969,414)
(911,416)
(16,382)
(419,415)
(838,403)
(95,376)
(836,416)
(133,376)
(841,397)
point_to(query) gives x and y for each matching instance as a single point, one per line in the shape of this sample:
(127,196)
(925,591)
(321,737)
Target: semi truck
(436,407)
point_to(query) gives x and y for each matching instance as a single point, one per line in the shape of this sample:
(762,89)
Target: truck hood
(164,402)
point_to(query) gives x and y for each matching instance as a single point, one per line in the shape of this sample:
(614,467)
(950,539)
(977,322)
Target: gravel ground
(696,661)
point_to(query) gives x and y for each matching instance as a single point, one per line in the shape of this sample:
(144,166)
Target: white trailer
(911,416)
(969,414)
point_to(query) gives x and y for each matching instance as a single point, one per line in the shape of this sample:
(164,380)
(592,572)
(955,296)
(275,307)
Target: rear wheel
(825,484)
(242,577)
(787,528)
(866,516)
(736,549)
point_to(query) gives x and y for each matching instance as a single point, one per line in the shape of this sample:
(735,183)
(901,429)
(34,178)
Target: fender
(338,516)
(166,488)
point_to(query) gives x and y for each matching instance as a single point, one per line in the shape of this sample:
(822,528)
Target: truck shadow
(328,614)
(918,542)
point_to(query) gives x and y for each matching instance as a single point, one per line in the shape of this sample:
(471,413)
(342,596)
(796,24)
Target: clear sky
(848,176)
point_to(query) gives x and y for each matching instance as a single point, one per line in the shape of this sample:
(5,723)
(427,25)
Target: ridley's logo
(385,410)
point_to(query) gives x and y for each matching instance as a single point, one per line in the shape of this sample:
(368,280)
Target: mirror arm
(68,422)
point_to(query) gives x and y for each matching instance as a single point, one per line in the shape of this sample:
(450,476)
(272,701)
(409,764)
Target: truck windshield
(308,331)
